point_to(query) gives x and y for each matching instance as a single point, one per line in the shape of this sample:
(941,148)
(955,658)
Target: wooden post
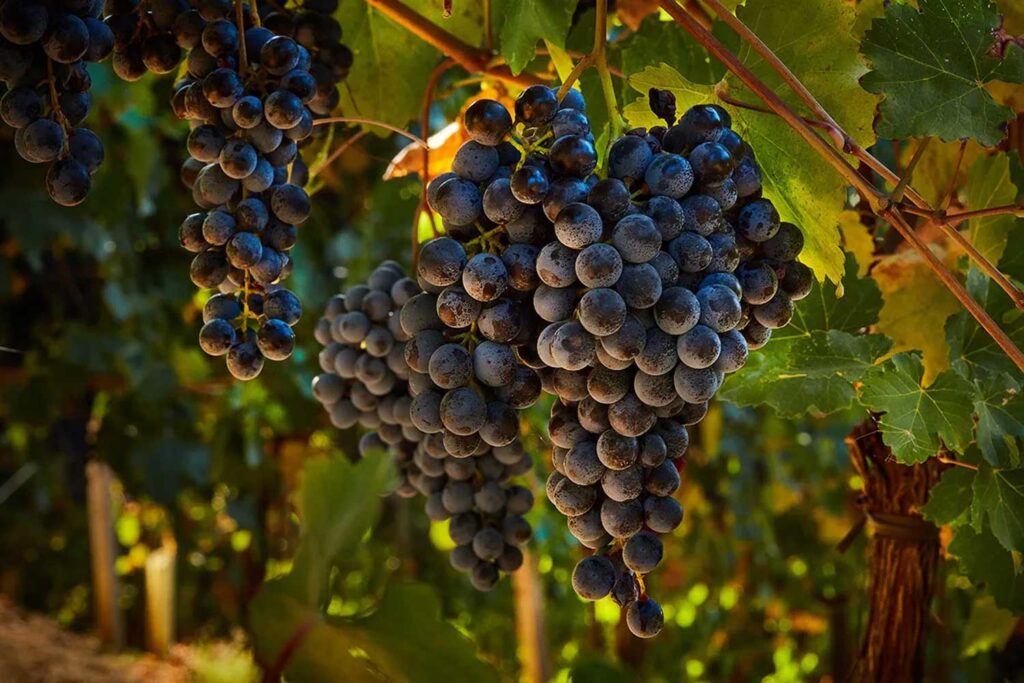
(103,551)
(160,594)
(530,623)
(903,554)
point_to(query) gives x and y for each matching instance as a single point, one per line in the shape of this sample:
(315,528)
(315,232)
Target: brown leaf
(443,144)
(632,12)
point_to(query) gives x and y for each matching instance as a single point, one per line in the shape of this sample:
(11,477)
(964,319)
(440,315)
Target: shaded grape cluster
(44,50)
(655,285)
(368,334)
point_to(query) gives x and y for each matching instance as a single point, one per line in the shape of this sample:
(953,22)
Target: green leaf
(989,184)
(985,561)
(1000,410)
(999,494)
(404,640)
(525,23)
(951,497)
(337,504)
(813,374)
(810,365)
(391,66)
(918,419)
(849,308)
(661,42)
(988,627)
(972,352)
(931,65)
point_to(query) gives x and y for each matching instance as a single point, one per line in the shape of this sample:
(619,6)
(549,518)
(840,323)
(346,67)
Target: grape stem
(472,59)
(370,122)
(245,302)
(598,58)
(342,148)
(908,173)
(879,202)
(243,57)
(958,463)
(55,106)
(428,99)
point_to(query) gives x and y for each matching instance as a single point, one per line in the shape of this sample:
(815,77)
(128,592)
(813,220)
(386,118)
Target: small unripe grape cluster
(367,336)
(44,50)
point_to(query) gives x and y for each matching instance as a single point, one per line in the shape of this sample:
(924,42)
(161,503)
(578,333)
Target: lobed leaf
(917,420)
(931,65)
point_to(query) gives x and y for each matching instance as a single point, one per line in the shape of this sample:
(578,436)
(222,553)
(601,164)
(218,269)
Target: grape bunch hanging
(44,49)
(251,97)
(652,284)
(368,333)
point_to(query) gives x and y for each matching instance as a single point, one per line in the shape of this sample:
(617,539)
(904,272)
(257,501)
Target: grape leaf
(988,627)
(391,67)
(857,240)
(658,41)
(916,305)
(329,529)
(405,640)
(1000,410)
(989,184)
(820,49)
(917,418)
(811,364)
(934,171)
(813,374)
(972,352)
(985,561)
(526,23)
(951,497)
(931,66)
(999,494)
(851,308)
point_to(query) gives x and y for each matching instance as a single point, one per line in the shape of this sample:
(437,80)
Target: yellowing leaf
(632,12)
(814,38)
(935,169)
(857,240)
(915,310)
(989,185)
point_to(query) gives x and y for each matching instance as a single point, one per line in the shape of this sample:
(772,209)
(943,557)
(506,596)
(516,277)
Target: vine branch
(879,203)
(371,122)
(470,58)
(843,141)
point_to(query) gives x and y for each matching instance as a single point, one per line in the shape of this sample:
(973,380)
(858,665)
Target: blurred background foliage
(98,322)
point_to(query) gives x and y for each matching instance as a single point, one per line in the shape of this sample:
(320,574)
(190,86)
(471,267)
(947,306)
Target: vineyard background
(766,579)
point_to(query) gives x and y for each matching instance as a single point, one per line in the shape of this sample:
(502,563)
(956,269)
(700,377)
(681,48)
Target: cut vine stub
(663,104)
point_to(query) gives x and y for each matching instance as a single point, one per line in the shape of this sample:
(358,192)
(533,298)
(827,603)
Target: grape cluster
(246,173)
(368,334)
(44,49)
(655,284)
